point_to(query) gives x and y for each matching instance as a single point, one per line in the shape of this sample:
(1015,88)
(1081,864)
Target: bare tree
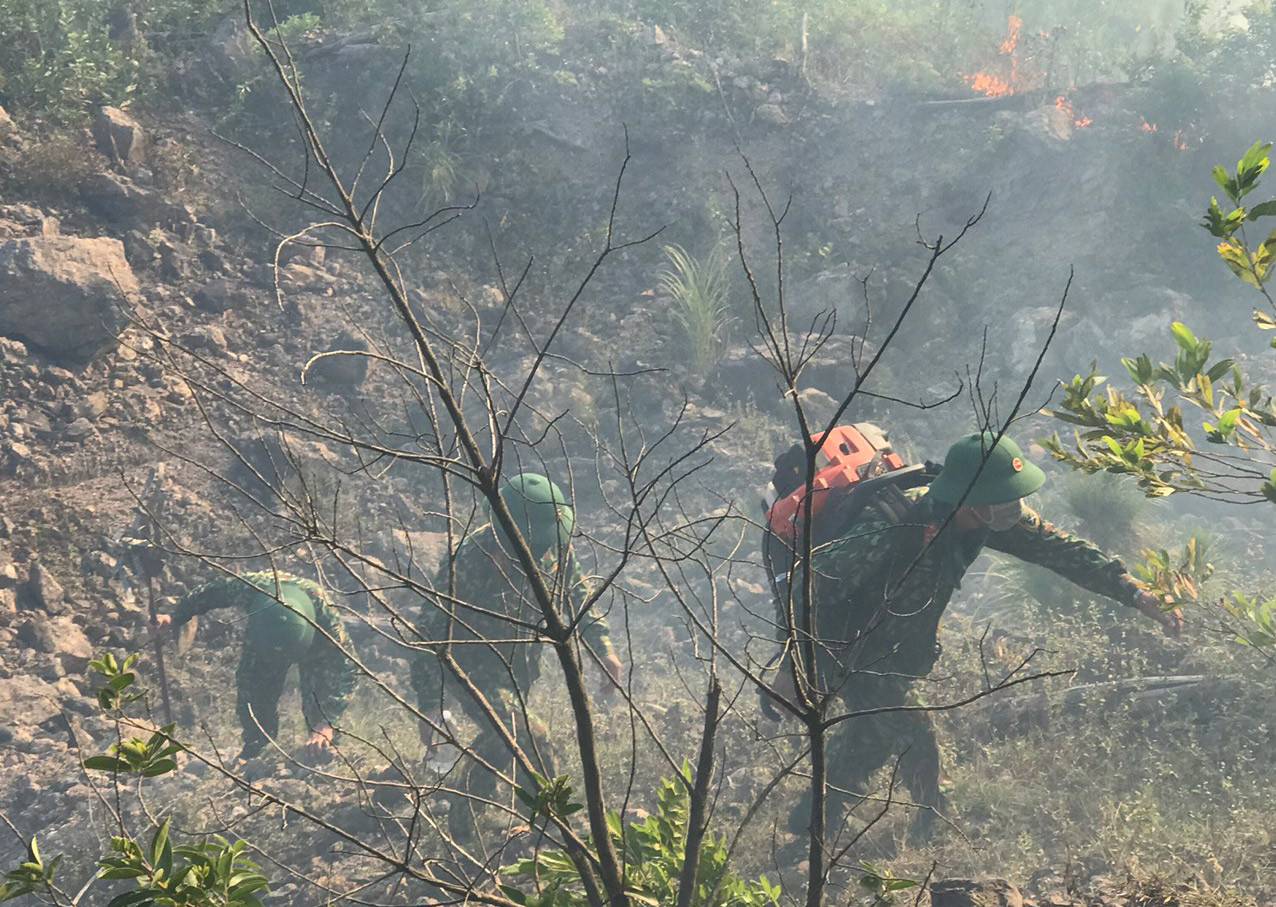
(343,486)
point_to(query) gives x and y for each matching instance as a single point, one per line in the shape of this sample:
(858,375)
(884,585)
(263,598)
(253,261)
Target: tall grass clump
(699,290)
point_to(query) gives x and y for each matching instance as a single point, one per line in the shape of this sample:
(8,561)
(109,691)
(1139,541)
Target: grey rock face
(62,293)
(119,136)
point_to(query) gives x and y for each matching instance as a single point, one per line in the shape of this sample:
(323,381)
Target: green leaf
(1224,180)
(1265,209)
(106,764)
(1219,369)
(1255,160)
(1183,336)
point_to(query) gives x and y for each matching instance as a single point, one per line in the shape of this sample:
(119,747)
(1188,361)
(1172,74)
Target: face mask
(1000,517)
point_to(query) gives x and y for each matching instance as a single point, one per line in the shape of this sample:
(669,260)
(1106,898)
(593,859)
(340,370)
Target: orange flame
(990,85)
(995,86)
(1012,35)
(1146,126)
(1180,140)
(1064,103)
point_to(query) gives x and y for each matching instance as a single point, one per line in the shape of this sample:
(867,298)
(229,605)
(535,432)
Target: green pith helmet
(541,510)
(283,624)
(1006,477)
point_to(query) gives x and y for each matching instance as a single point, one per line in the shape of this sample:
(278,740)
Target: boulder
(9,133)
(62,293)
(986,892)
(43,591)
(342,372)
(218,295)
(118,199)
(27,701)
(119,136)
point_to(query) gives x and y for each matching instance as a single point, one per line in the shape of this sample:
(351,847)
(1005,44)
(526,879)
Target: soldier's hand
(319,742)
(161,624)
(1171,621)
(615,668)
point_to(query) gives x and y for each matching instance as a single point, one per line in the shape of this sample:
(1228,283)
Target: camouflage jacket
(490,617)
(328,676)
(882,586)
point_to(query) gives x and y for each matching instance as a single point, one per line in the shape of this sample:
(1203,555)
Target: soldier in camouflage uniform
(881,588)
(289,620)
(484,607)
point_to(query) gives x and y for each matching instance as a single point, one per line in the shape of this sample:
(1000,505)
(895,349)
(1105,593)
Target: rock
(63,293)
(987,892)
(27,701)
(217,296)
(772,114)
(38,636)
(8,604)
(342,372)
(119,136)
(119,200)
(80,429)
(297,276)
(38,422)
(59,376)
(231,47)
(101,563)
(71,646)
(43,590)
(9,134)
(139,250)
(19,453)
(91,407)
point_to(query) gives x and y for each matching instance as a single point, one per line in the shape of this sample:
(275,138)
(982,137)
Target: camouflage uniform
(490,586)
(327,677)
(880,591)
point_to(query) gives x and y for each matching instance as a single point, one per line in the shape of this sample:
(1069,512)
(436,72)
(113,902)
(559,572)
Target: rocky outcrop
(341,372)
(119,136)
(120,200)
(63,294)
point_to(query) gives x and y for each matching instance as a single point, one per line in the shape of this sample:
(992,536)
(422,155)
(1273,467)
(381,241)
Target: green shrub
(654,852)
(699,290)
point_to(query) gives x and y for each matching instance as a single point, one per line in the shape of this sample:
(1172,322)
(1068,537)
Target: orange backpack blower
(855,465)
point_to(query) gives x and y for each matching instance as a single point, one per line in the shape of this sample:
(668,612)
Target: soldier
(484,606)
(289,621)
(881,587)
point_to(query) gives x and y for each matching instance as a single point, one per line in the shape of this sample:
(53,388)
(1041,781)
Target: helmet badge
(1016,464)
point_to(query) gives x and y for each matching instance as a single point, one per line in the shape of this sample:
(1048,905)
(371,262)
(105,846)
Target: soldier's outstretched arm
(1036,541)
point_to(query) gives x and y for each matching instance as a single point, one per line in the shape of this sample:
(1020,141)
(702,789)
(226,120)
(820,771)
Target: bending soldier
(484,610)
(289,621)
(880,590)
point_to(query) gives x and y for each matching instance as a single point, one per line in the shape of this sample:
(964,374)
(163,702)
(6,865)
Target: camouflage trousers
(489,763)
(259,685)
(858,747)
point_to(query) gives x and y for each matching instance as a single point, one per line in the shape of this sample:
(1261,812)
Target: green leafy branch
(883,884)
(1259,616)
(1251,262)
(654,851)
(31,876)
(148,758)
(215,873)
(1148,437)
(114,695)
(1176,580)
